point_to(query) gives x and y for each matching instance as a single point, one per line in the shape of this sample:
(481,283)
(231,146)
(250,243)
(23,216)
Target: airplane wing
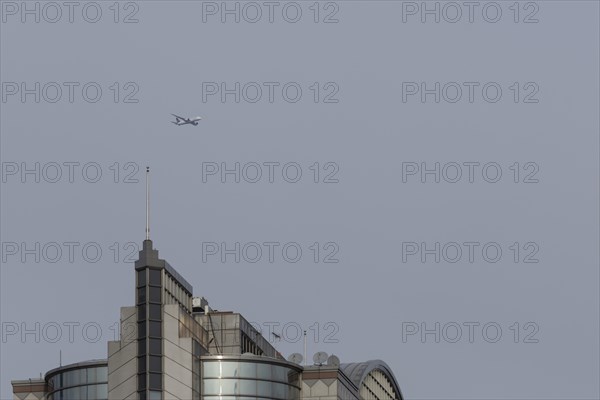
(178,117)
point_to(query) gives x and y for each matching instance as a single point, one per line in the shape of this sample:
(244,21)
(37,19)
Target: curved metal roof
(357,372)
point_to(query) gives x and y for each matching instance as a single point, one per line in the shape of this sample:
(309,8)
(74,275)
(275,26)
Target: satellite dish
(296,358)
(320,358)
(333,360)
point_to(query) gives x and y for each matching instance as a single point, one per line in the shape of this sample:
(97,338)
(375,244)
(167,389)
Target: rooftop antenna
(147,203)
(304,348)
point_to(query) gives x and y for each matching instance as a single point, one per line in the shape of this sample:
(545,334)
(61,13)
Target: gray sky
(378,290)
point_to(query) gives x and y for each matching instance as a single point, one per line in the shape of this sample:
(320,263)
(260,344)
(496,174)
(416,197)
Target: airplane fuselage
(185,121)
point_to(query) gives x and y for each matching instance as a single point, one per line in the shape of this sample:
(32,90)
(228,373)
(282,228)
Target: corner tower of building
(158,354)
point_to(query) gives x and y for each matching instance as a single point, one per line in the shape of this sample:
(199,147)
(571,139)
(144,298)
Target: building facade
(174,347)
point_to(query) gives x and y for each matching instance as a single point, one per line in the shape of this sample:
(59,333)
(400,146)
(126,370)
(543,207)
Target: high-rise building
(174,346)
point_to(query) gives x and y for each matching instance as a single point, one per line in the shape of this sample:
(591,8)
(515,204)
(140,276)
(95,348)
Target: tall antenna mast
(304,347)
(147,203)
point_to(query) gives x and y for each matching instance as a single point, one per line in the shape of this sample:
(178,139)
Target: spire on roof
(147,203)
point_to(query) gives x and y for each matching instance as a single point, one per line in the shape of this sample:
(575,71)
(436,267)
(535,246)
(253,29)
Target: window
(141,295)
(141,381)
(102,374)
(264,371)
(264,389)
(247,387)
(155,381)
(155,329)
(211,369)
(155,312)
(155,294)
(141,364)
(141,278)
(91,375)
(155,364)
(247,370)
(141,312)
(155,346)
(155,277)
(102,391)
(280,374)
(141,347)
(141,329)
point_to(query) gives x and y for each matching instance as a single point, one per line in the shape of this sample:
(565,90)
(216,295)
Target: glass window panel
(155,346)
(155,277)
(141,326)
(74,377)
(154,294)
(263,371)
(264,388)
(141,278)
(141,347)
(247,370)
(142,395)
(155,311)
(211,386)
(155,328)
(155,381)
(70,393)
(247,387)
(102,391)
(230,369)
(279,390)
(141,381)
(67,378)
(102,374)
(211,369)
(155,363)
(141,309)
(141,364)
(91,375)
(229,386)
(92,392)
(152,395)
(141,295)
(280,373)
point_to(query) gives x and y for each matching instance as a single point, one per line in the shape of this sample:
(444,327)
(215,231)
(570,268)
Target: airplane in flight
(185,121)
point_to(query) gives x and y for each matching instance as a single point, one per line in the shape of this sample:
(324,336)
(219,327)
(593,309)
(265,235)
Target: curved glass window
(239,379)
(85,383)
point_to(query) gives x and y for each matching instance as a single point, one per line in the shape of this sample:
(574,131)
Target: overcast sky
(348,101)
